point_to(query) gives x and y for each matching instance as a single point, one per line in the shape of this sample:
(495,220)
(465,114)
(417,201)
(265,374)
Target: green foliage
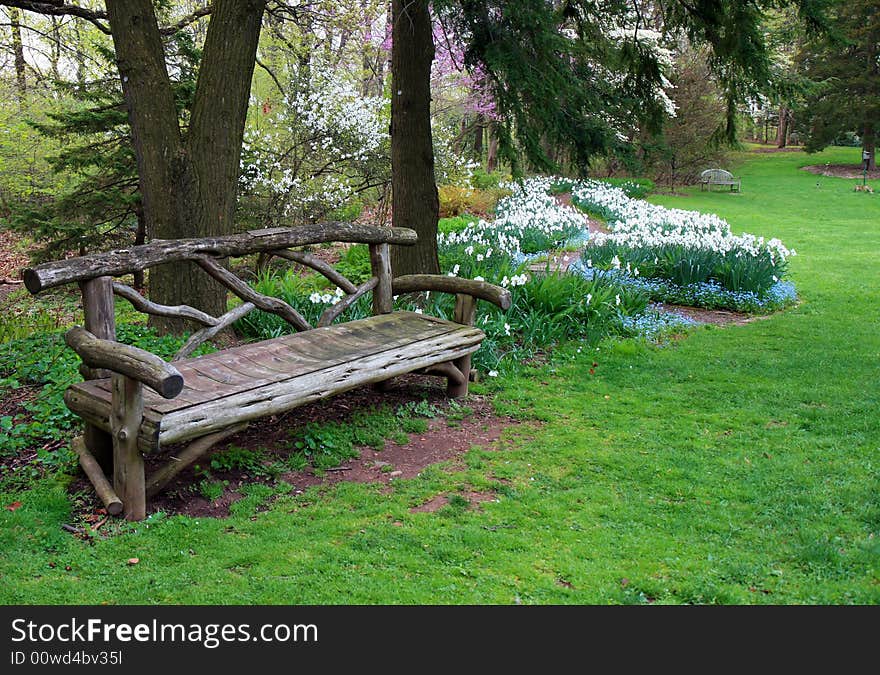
(21,326)
(354,264)
(483,180)
(310,294)
(212,490)
(564,85)
(635,188)
(349,212)
(47,364)
(24,171)
(94,202)
(685,145)
(236,458)
(455,223)
(841,67)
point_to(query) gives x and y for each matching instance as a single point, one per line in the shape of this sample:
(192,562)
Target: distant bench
(711,177)
(134,402)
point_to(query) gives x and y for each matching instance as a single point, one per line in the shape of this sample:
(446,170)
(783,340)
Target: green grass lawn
(738,465)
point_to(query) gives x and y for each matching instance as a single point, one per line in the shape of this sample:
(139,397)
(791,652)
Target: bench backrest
(95,273)
(716,174)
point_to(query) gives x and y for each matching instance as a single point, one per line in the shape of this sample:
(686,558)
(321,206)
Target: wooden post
(464,313)
(380,260)
(128,464)
(96,475)
(100,321)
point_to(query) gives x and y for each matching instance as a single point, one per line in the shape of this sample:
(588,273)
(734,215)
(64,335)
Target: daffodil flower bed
(684,248)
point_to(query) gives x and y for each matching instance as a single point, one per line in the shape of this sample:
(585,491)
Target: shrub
(455,200)
(483,180)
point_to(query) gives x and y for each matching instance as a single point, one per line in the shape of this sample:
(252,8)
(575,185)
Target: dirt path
(841,171)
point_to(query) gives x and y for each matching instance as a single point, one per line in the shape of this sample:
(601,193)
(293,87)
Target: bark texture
(415,200)
(188,185)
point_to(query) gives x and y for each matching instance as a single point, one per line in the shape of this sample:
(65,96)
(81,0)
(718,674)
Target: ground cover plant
(739,465)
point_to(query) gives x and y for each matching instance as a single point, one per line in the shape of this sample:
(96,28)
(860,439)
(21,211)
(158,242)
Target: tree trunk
(415,200)
(155,133)
(492,152)
(479,131)
(18,49)
(869,145)
(782,129)
(187,190)
(216,130)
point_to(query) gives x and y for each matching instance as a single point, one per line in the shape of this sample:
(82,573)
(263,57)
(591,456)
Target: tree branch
(272,75)
(186,21)
(94,16)
(59,8)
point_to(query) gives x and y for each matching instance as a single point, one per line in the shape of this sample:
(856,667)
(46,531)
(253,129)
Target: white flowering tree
(316,151)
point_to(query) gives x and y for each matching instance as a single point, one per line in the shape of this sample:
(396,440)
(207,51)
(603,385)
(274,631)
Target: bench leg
(457,384)
(128,480)
(128,463)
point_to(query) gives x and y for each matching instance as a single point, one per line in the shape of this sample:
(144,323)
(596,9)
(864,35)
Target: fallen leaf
(133,561)
(14,506)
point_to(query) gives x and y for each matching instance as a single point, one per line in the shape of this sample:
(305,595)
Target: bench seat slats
(250,381)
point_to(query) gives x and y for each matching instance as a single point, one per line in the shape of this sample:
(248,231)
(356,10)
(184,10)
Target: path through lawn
(738,465)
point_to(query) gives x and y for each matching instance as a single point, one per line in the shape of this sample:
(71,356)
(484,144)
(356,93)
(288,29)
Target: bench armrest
(414,283)
(126,360)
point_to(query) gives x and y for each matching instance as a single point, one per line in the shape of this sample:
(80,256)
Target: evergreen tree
(844,68)
(99,205)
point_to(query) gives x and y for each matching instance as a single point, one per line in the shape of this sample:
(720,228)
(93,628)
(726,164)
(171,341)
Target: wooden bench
(711,177)
(133,402)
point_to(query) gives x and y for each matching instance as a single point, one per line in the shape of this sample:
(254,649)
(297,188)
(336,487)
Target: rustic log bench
(133,402)
(711,177)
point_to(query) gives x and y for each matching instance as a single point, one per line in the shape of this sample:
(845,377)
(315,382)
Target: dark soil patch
(716,317)
(12,259)
(12,262)
(841,171)
(773,148)
(444,440)
(472,498)
(12,404)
